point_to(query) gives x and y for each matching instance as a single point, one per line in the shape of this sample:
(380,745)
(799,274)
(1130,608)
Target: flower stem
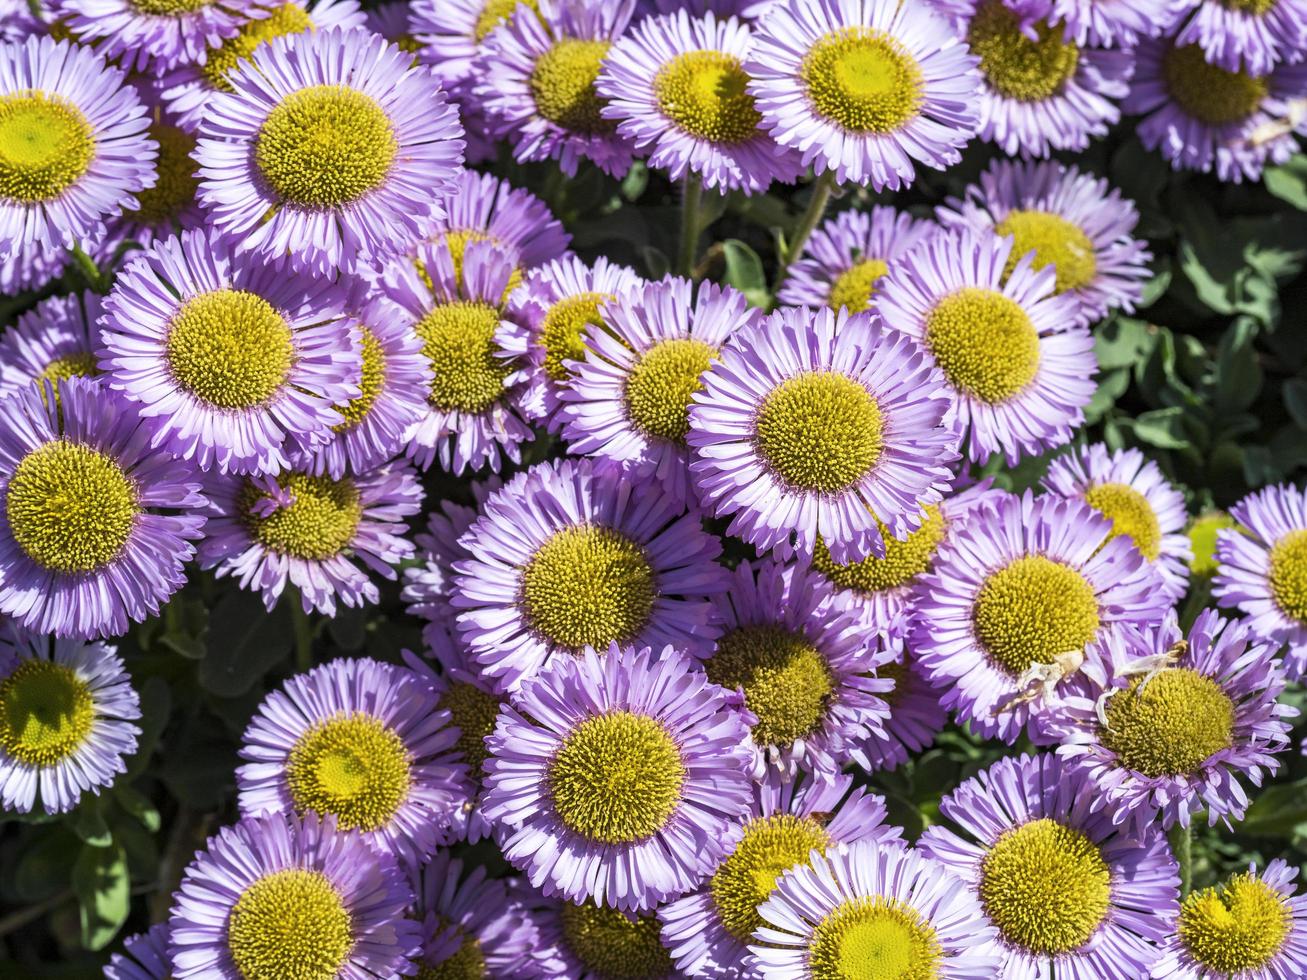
(303,635)
(89,270)
(821,195)
(691,197)
(1182,846)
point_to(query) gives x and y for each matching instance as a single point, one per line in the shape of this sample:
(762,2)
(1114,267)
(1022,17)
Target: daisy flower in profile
(709,931)
(96,528)
(845,259)
(614,777)
(144,957)
(76,151)
(154,35)
(677,89)
(1070,220)
(473,415)
(557,305)
(66,713)
(312,532)
(871,909)
(450,32)
(1071,894)
(1019,371)
(1169,722)
(864,89)
(275,896)
(820,425)
(51,342)
(331,149)
(567,556)
(916,714)
(1205,117)
(805,672)
(1249,927)
(238,363)
(1262,569)
(172,204)
(629,399)
(1105,23)
(536,81)
(1017,596)
(1131,492)
(1251,34)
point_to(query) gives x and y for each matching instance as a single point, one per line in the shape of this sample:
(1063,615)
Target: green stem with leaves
(811,217)
(691,198)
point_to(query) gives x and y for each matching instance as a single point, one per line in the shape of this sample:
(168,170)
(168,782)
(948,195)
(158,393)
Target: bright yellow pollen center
(371,381)
(853,289)
(1046,887)
(63,368)
(496,12)
(563,85)
(289,18)
(903,561)
(562,334)
(1288,575)
(177,183)
(319,524)
(703,93)
(230,348)
(70,508)
(473,712)
(1131,515)
(820,431)
(770,847)
(984,343)
(290,925)
(1014,65)
(786,681)
(46,713)
(617,778)
(1056,242)
(1208,93)
(662,384)
(1171,725)
(612,946)
(874,939)
(1235,928)
(169,8)
(352,767)
(863,80)
(1202,539)
(46,145)
(1032,610)
(458,339)
(1255,7)
(467,963)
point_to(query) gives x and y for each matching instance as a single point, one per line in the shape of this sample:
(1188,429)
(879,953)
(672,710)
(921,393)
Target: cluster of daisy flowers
(714,566)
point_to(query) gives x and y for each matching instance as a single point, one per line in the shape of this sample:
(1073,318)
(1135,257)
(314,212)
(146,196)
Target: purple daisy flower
(391,21)
(916,714)
(51,342)
(239,363)
(144,957)
(569,556)
(481,207)
(171,205)
(550,315)
(676,87)
(277,896)
(1262,569)
(535,78)
(846,258)
(821,424)
(1131,492)
(66,713)
(312,532)
(709,931)
(85,150)
(34,267)
(805,673)
(1205,117)
(1071,895)
(451,32)
(592,942)
(629,400)
(1019,371)
(154,35)
(863,88)
(17,22)
(1070,220)
(332,149)
(1253,35)
(455,306)
(615,777)
(356,740)
(1249,927)
(1017,596)
(96,528)
(1168,723)
(923,919)
(1105,23)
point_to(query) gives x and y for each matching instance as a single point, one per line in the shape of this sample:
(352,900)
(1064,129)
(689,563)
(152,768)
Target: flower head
(1105,23)
(144,956)
(451,33)
(168,207)
(1252,34)
(51,342)
(155,35)
(586,941)
(916,713)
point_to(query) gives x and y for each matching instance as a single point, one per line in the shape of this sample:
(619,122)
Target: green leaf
(1277,811)
(89,824)
(1121,342)
(44,866)
(1111,386)
(103,889)
(1162,427)
(655,262)
(347,628)
(156,703)
(245,641)
(138,805)
(1288,181)
(744,271)
(1238,375)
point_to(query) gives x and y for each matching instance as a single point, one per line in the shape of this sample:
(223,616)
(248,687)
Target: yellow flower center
(1208,93)
(1235,928)
(46,713)
(177,183)
(563,86)
(703,93)
(562,335)
(903,561)
(1171,725)
(352,767)
(1046,887)
(473,713)
(290,925)
(1255,7)
(786,680)
(169,8)
(1202,539)
(874,939)
(371,382)
(319,524)
(1288,575)
(63,368)
(70,508)
(612,946)
(863,80)
(770,847)
(496,12)
(457,241)
(1032,610)
(820,431)
(984,343)
(458,339)
(617,778)
(854,287)
(1056,242)
(220,61)
(662,384)
(1015,66)
(467,963)
(46,145)
(1131,515)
